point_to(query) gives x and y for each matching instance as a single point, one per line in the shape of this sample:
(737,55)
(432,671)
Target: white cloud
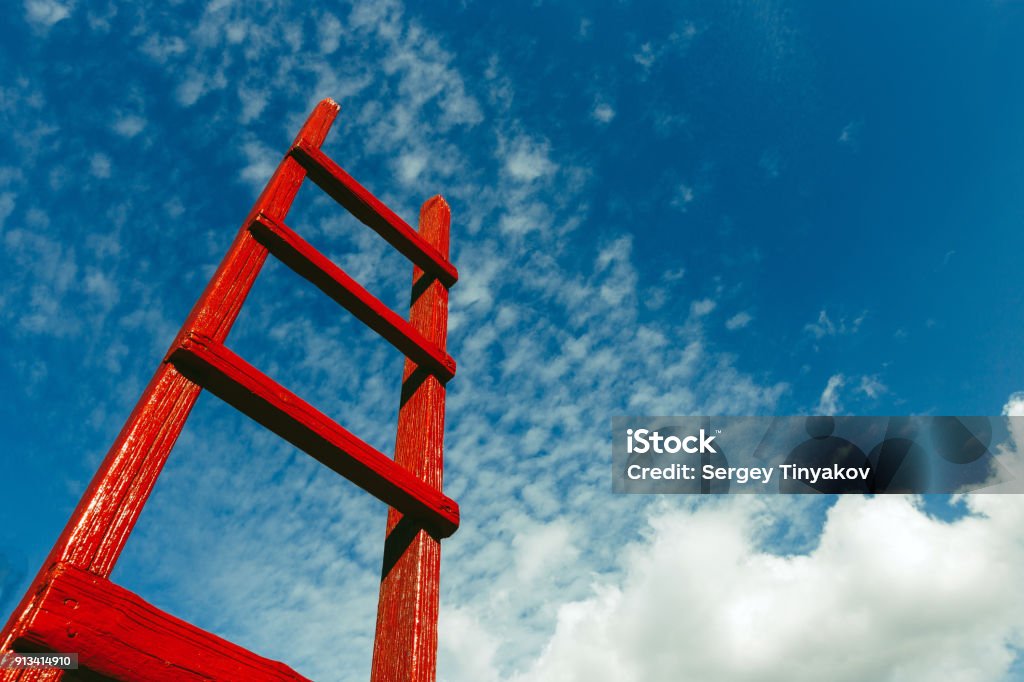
(872,386)
(254,99)
(825,326)
(829,403)
(102,288)
(645,56)
(99,165)
(603,112)
(700,599)
(45,13)
(533,323)
(543,548)
(528,160)
(1014,406)
(738,321)
(329,30)
(410,166)
(129,125)
(684,197)
(702,307)
(261,161)
(163,49)
(850,134)
(235,32)
(191,89)
(7,202)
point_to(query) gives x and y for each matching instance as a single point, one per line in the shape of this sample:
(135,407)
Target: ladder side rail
(405,642)
(99,527)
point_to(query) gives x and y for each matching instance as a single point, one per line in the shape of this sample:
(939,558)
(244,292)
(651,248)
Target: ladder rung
(371,211)
(118,635)
(300,256)
(228,376)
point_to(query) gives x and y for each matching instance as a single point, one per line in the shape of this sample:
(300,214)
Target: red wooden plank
(300,256)
(99,527)
(405,646)
(250,391)
(118,635)
(372,212)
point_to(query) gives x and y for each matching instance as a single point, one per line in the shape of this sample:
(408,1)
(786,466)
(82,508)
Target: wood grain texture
(300,256)
(99,527)
(405,646)
(72,606)
(119,636)
(238,383)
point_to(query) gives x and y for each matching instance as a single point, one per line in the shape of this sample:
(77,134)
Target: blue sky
(688,208)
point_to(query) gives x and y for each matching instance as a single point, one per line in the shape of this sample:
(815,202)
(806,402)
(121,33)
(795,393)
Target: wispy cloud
(739,321)
(551,324)
(825,326)
(872,386)
(829,403)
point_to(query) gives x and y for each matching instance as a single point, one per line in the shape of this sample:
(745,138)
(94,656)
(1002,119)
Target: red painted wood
(405,646)
(99,527)
(120,636)
(305,260)
(373,213)
(238,383)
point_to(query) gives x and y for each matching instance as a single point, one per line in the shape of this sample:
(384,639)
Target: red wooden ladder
(73,607)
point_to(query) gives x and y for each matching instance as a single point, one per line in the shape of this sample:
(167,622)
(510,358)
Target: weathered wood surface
(405,646)
(71,606)
(120,636)
(99,527)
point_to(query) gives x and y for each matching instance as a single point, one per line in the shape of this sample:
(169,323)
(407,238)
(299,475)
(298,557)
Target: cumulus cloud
(881,591)
(1014,406)
(547,562)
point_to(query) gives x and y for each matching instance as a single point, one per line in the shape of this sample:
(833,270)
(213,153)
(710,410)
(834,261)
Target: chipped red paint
(72,606)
